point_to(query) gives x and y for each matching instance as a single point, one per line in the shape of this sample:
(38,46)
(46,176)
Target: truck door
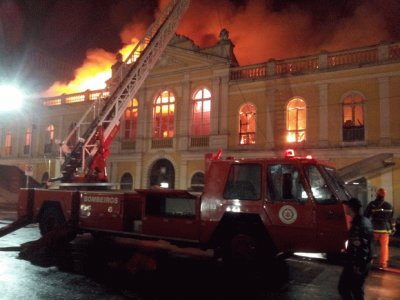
(330,217)
(289,209)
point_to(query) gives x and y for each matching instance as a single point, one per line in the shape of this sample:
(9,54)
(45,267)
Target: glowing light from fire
(94,72)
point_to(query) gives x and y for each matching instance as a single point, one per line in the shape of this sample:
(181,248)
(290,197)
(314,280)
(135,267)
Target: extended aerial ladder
(86,160)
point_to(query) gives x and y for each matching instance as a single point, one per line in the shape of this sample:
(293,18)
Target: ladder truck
(250,209)
(86,162)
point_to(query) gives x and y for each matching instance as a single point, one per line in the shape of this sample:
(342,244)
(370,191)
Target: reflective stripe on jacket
(381,213)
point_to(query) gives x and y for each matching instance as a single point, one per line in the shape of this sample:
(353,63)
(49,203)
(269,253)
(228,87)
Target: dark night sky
(42,41)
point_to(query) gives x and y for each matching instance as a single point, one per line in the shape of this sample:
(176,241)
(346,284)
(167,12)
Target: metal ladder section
(100,123)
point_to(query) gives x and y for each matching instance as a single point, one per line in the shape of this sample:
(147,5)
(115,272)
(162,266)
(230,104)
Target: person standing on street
(381,214)
(359,253)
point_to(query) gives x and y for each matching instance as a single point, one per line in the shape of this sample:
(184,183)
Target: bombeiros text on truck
(250,209)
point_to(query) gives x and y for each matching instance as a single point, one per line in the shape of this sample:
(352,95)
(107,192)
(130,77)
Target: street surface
(87,269)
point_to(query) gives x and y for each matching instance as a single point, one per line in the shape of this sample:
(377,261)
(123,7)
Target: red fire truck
(250,208)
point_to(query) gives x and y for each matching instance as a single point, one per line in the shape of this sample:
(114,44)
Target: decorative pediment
(182,52)
(167,60)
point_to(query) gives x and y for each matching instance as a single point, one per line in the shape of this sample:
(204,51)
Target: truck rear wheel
(50,219)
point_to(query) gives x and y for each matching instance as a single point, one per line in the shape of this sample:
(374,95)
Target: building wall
(182,72)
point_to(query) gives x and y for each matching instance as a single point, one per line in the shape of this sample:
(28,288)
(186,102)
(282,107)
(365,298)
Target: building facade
(337,106)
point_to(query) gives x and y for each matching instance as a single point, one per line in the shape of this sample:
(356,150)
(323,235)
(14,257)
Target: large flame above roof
(92,74)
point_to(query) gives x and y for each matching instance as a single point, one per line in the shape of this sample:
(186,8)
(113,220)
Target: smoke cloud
(262,30)
(44,41)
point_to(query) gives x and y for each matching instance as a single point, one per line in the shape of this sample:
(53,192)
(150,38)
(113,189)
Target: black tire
(244,250)
(50,219)
(241,248)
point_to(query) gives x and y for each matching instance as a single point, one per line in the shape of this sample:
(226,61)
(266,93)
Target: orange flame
(93,74)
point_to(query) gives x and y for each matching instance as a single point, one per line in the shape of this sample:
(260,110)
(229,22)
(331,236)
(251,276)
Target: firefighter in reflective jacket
(381,214)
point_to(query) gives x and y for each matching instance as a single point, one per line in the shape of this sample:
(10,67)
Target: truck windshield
(325,185)
(337,184)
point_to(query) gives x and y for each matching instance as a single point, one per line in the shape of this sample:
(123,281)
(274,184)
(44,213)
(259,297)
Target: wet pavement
(90,269)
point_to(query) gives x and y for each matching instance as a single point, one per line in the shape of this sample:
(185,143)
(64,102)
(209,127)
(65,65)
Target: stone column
(215,104)
(384,108)
(323,115)
(182,184)
(141,130)
(269,107)
(139,181)
(224,85)
(184,108)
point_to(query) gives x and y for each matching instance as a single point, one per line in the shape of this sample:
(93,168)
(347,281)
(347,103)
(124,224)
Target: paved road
(90,270)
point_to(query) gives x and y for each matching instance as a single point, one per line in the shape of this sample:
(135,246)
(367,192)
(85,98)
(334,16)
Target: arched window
(201,112)
(7,143)
(247,124)
(296,120)
(28,140)
(162,174)
(126,182)
(353,118)
(130,120)
(50,133)
(163,115)
(197,182)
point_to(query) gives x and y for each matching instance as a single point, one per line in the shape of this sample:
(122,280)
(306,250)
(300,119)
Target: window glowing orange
(296,120)
(201,112)
(130,120)
(353,118)
(28,136)
(7,142)
(163,115)
(50,133)
(353,111)
(247,124)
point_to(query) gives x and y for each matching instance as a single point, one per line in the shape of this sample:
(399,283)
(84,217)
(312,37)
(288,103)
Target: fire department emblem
(287,214)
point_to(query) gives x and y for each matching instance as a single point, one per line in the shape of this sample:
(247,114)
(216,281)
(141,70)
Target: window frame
(351,132)
(166,122)
(201,126)
(300,134)
(247,137)
(130,124)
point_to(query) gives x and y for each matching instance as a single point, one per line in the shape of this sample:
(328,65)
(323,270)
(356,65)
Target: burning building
(338,105)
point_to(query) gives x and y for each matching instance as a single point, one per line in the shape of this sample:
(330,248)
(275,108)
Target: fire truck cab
(295,202)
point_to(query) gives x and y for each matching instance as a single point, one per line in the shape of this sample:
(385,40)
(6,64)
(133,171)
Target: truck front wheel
(50,219)
(243,250)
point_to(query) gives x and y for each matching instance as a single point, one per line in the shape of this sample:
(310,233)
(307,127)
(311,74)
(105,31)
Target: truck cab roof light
(289,153)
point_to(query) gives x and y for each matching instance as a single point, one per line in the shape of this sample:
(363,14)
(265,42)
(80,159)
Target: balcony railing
(7,150)
(75,98)
(325,61)
(48,148)
(128,144)
(161,143)
(200,142)
(353,133)
(27,149)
